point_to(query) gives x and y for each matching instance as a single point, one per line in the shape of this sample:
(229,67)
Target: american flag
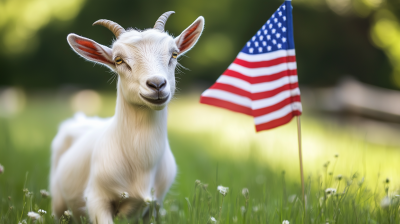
(262,80)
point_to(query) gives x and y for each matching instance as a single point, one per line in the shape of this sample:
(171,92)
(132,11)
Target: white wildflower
(255,209)
(223,190)
(23,222)
(285,222)
(245,192)
(213,219)
(330,191)
(33,215)
(234,219)
(385,202)
(68,213)
(1,169)
(162,212)
(243,209)
(124,195)
(44,193)
(41,212)
(147,201)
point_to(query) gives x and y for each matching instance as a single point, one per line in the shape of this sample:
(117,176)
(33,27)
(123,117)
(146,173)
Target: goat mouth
(157,101)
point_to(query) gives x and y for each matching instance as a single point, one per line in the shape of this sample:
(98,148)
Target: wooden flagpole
(301,159)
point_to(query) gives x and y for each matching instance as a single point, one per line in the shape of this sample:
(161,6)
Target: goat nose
(157,85)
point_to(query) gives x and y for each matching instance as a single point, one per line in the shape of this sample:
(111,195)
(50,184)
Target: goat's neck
(133,120)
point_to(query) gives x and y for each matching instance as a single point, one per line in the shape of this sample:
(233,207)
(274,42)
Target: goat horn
(160,24)
(112,26)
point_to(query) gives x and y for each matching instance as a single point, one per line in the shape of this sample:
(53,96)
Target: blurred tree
(333,38)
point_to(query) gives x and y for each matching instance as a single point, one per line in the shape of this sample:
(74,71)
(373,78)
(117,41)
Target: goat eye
(175,54)
(118,60)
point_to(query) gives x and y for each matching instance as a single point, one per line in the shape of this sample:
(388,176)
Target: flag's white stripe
(267,102)
(266,56)
(255,72)
(227,96)
(259,87)
(278,113)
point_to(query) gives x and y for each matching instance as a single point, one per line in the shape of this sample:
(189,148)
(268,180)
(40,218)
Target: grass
(215,147)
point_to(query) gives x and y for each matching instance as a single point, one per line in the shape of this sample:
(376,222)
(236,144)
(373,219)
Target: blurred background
(348,55)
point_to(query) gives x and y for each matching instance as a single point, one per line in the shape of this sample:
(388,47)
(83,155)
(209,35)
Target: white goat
(94,160)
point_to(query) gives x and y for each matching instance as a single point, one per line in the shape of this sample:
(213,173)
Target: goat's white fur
(94,160)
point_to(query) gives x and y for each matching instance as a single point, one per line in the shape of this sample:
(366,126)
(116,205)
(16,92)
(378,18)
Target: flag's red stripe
(275,107)
(254,96)
(260,64)
(260,79)
(278,122)
(226,105)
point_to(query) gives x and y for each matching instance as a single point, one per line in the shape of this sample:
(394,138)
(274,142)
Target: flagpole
(301,159)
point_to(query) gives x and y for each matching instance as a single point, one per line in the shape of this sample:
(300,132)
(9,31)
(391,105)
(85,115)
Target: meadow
(349,177)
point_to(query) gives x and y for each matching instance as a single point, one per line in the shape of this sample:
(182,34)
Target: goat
(95,160)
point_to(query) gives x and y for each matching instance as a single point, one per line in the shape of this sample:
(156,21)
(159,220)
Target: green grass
(219,147)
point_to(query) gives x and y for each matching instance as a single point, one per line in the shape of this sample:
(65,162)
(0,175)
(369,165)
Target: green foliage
(272,195)
(333,38)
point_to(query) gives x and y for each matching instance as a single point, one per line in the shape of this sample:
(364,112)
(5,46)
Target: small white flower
(243,209)
(124,195)
(22,222)
(41,212)
(330,191)
(234,219)
(44,193)
(255,209)
(285,222)
(245,192)
(213,219)
(223,190)
(147,201)
(33,215)
(162,212)
(385,202)
(1,169)
(68,213)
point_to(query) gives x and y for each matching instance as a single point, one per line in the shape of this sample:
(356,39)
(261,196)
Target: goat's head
(144,60)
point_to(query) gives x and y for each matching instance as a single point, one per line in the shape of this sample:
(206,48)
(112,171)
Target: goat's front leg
(165,175)
(99,208)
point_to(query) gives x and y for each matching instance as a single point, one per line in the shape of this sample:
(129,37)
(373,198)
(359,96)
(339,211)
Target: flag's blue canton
(275,34)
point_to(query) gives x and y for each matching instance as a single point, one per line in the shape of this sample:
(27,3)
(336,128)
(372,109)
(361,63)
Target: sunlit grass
(218,147)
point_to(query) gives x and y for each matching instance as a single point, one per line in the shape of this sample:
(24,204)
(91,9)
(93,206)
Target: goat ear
(91,50)
(189,37)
